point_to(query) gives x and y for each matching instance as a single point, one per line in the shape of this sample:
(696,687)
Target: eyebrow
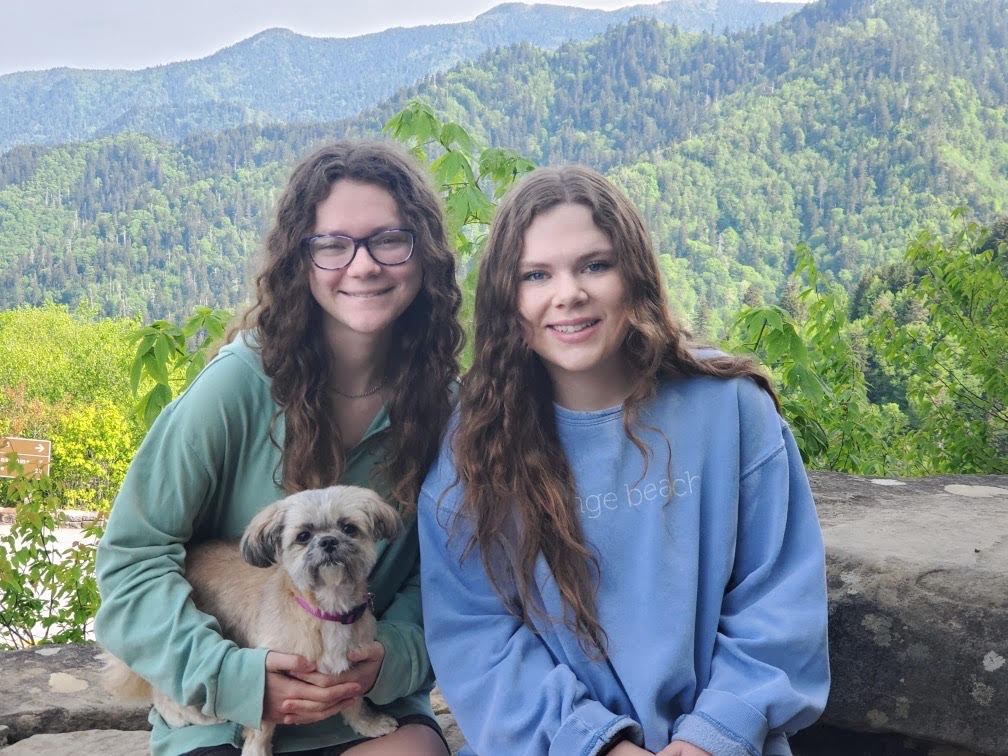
(375,230)
(596,253)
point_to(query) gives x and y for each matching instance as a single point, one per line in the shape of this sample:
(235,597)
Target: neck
(606,386)
(358,362)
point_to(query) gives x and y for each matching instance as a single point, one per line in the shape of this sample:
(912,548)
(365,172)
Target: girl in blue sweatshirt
(619,549)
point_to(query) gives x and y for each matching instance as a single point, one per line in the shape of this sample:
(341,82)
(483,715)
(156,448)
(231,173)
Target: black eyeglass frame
(366,241)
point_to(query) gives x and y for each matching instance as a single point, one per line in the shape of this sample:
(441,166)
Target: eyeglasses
(393,246)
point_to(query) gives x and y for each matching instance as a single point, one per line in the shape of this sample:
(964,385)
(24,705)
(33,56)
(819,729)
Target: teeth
(573,328)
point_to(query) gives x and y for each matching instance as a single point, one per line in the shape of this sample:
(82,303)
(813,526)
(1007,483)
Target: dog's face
(323,538)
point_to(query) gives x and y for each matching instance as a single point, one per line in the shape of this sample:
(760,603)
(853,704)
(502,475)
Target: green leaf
(136,369)
(452,168)
(155,368)
(157,399)
(452,133)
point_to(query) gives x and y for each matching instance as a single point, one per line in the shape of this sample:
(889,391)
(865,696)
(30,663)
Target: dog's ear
(261,541)
(385,520)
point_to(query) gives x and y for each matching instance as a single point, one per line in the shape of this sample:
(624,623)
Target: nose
(568,291)
(362,264)
(328,544)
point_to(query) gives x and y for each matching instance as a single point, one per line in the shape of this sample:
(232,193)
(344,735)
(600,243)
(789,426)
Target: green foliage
(940,339)
(954,355)
(819,375)
(47,594)
(50,353)
(91,449)
(933,329)
(471,179)
(845,126)
(170,357)
(64,377)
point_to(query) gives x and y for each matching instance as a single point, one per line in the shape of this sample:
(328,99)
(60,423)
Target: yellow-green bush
(91,449)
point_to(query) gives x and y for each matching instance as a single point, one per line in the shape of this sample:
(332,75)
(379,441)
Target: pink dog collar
(346,619)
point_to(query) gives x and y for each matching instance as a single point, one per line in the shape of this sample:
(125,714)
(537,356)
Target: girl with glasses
(342,371)
(619,548)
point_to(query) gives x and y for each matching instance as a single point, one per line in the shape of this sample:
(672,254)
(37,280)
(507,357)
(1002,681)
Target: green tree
(471,179)
(957,355)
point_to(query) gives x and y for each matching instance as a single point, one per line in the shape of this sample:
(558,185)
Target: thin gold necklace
(365,393)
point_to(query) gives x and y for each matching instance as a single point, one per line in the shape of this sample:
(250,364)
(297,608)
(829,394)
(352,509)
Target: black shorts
(335,750)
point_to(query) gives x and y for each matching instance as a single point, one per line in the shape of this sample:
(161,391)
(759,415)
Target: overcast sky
(40,34)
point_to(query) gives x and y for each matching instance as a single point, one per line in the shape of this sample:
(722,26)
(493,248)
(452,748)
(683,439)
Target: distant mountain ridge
(848,126)
(278,75)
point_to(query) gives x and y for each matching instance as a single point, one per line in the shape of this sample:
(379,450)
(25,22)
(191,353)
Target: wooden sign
(32,454)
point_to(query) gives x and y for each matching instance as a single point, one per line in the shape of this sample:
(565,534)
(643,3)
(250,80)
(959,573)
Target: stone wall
(918,584)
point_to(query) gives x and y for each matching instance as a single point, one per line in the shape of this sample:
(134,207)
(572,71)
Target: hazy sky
(40,34)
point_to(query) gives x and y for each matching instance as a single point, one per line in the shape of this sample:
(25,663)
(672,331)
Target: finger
(298,706)
(364,653)
(305,712)
(277,661)
(318,679)
(322,696)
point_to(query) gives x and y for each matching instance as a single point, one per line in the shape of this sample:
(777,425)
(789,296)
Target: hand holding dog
(297,694)
(367,661)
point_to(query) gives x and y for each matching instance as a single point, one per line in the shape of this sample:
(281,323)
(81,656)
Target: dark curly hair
(285,323)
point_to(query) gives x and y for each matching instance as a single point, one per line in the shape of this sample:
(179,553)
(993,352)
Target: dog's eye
(303,537)
(350,529)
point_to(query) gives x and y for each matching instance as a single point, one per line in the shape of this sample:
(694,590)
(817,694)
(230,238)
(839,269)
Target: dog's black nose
(328,543)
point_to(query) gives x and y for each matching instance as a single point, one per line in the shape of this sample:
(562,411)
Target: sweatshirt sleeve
(507,692)
(146,617)
(770,669)
(406,667)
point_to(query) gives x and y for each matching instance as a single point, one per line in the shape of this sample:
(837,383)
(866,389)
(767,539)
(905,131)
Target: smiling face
(572,303)
(362,300)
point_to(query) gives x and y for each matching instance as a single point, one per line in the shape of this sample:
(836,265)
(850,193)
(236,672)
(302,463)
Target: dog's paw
(177,715)
(370,723)
(258,742)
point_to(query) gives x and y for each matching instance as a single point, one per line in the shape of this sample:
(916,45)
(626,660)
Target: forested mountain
(848,125)
(278,75)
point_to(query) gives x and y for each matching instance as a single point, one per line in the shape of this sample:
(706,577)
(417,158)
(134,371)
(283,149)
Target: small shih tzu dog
(296,583)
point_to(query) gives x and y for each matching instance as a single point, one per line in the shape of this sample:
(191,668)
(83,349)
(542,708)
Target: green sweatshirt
(204,470)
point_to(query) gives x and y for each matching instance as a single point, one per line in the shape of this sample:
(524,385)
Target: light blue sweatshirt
(712,592)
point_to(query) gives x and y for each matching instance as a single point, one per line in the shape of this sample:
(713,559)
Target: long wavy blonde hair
(285,321)
(518,489)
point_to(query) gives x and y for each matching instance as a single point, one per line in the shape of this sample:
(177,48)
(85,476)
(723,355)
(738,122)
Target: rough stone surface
(451,729)
(823,740)
(55,689)
(104,742)
(918,586)
(54,696)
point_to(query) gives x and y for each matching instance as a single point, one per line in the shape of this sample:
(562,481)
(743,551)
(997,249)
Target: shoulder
(706,392)
(761,428)
(232,385)
(733,411)
(236,368)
